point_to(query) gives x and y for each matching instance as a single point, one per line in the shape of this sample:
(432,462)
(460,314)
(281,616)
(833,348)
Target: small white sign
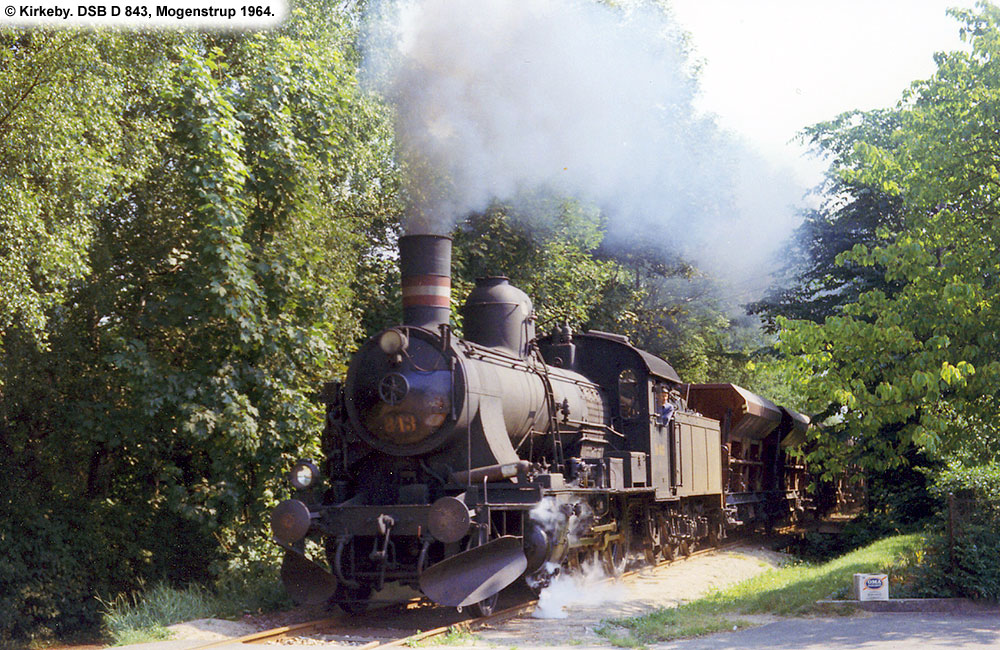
(871,586)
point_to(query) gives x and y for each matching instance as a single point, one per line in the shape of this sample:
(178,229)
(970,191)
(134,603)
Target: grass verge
(790,590)
(143,617)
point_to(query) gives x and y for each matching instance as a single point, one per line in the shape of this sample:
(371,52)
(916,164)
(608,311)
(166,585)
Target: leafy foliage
(57,166)
(914,362)
(549,257)
(966,564)
(158,367)
(813,284)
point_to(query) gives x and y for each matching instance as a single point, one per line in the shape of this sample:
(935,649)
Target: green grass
(665,625)
(790,590)
(144,616)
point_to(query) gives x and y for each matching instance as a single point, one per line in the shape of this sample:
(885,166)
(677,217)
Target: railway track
(333,626)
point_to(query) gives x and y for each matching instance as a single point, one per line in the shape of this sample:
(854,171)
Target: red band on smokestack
(426,301)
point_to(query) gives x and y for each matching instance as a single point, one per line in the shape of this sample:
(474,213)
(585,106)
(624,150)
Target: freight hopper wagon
(763,483)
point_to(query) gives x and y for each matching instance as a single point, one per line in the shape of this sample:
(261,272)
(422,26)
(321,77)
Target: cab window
(628,393)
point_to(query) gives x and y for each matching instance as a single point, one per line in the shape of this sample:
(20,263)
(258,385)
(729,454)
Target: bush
(48,576)
(964,563)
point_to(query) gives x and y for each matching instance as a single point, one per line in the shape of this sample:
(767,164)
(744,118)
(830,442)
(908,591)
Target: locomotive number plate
(397,423)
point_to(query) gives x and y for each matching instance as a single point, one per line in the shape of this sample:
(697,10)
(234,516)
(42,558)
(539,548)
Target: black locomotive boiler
(459,465)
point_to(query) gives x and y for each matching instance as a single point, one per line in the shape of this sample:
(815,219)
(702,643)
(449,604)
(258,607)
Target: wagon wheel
(715,535)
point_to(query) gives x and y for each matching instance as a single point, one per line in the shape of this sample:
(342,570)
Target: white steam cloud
(500,97)
(588,588)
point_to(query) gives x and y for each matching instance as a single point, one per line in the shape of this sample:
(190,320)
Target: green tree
(546,247)
(554,250)
(918,364)
(63,154)
(150,409)
(812,284)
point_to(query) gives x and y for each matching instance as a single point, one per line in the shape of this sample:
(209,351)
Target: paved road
(871,632)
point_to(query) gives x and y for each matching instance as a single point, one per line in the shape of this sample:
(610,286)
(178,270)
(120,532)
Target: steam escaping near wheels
(588,586)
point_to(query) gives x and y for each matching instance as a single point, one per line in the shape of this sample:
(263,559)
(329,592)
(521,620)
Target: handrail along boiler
(458,465)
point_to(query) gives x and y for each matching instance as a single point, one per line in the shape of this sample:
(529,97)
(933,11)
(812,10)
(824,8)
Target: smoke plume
(500,97)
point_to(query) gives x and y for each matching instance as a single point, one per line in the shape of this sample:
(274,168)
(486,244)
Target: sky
(772,67)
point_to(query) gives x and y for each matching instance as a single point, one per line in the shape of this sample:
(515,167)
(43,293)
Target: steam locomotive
(459,465)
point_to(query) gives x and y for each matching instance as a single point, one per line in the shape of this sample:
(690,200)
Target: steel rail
(273,633)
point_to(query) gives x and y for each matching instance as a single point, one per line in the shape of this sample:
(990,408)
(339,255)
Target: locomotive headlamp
(304,473)
(393,341)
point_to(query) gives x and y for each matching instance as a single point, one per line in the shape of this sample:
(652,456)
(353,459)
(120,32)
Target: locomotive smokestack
(425,267)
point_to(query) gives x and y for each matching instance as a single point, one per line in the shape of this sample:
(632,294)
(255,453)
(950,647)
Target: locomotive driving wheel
(582,559)
(353,600)
(652,544)
(487,606)
(615,554)
(574,560)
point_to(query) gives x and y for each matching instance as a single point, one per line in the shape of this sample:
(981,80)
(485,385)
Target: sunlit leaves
(917,364)
(181,219)
(63,154)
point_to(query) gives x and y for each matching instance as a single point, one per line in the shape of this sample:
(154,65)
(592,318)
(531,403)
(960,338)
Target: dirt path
(586,603)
